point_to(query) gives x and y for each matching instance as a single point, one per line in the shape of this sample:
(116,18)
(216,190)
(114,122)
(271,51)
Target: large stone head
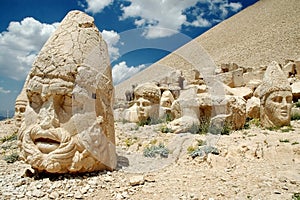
(275,98)
(147,98)
(68,124)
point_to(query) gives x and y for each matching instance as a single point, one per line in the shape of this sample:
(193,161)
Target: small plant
(202,151)
(165,129)
(130,141)
(153,142)
(296,196)
(153,151)
(12,158)
(201,128)
(9,138)
(149,121)
(295,116)
(167,118)
(275,128)
(226,129)
(297,104)
(287,129)
(294,143)
(191,149)
(284,140)
(124,121)
(194,128)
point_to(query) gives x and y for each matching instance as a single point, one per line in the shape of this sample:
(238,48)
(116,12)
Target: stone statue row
(270,101)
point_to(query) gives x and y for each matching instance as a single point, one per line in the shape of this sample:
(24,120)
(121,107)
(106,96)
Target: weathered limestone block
(253,108)
(187,106)
(237,78)
(236,111)
(243,92)
(296,91)
(275,98)
(205,105)
(226,78)
(68,124)
(228,67)
(297,68)
(289,69)
(131,114)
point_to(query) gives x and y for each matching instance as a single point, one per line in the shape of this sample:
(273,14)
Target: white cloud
(163,15)
(121,71)
(112,38)
(20,44)
(2,90)
(159,17)
(96,6)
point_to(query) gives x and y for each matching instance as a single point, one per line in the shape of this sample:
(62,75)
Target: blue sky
(138,32)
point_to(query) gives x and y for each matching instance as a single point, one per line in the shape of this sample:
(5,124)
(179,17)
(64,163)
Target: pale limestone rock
(205,105)
(236,111)
(228,67)
(253,108)
(237,77)
(131,114)
(243,92)
(296,90)
(289,69)
(137,180)
(187,107)
(297,67)
(275,98)
(226,78)
(68,124)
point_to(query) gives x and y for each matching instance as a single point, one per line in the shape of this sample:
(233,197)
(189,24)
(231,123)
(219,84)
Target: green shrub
(295,116)
(9,138)
(12,158)
(294,143)
(153,151)
(149,121)
(297,104)
(284,140)
(287,129)
(202,151)
(165,129)
(296,196)
(130,141)
(201,128)
(251,121)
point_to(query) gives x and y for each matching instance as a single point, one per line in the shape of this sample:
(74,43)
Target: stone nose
(47,116)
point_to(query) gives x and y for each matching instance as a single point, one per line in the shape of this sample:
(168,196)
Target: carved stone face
(20,108)
(166,99)
(277,109)
(51,139)
(143,108)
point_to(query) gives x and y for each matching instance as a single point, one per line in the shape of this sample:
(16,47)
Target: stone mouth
(46,143)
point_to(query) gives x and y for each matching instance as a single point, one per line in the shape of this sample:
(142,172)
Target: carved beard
(48,150)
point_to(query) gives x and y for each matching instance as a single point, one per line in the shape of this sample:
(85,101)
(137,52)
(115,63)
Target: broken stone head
(147,99)
(68,125)
(275,98)
(20,107)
